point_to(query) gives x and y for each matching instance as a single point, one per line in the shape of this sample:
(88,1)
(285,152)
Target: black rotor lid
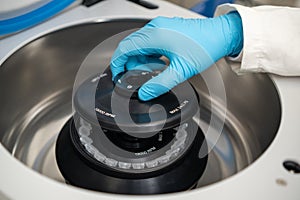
(118,108)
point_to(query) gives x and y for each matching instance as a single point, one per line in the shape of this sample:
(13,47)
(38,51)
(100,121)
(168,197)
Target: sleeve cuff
(271,39)
(248,50)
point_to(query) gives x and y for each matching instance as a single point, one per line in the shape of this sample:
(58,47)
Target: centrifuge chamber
(37,75)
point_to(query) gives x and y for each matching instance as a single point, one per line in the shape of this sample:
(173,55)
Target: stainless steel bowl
(36,89)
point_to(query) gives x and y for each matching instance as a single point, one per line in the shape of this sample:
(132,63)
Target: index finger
(139,43)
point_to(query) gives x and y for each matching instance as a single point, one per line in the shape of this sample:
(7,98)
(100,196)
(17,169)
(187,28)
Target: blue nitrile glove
(208,7)
(191,45)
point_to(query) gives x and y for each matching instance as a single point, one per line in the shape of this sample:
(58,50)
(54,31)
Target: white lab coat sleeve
(271,39)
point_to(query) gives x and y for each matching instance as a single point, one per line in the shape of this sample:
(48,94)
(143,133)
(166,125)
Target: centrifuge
(218,135)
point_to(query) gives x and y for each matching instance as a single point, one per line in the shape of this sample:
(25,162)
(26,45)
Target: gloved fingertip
(113,76)
(144,94)
(115,72)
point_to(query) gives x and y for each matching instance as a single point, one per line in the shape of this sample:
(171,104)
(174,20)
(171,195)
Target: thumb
(161,83)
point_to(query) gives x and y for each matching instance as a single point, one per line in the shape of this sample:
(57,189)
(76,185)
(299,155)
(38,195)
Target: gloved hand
(191,45)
